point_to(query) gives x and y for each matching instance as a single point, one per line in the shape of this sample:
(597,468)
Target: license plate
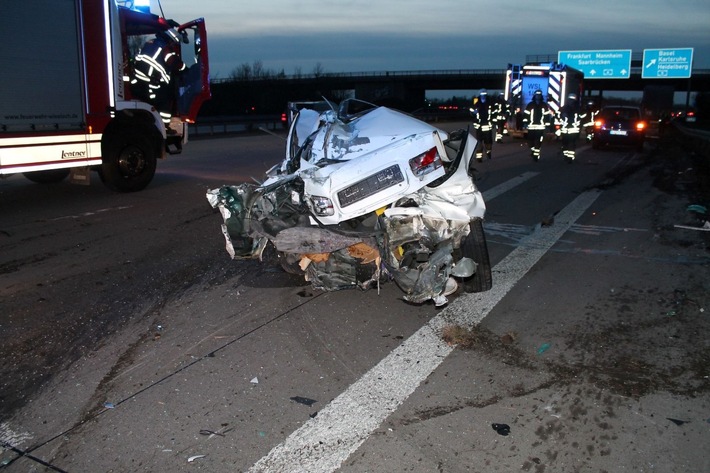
(371,185)
(617,132)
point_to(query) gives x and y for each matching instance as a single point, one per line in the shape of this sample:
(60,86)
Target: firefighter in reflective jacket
(482,113)
(155,65)
(537,117)
(500,117)
(570,118)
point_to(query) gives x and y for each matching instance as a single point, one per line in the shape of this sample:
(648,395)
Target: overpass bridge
(405,89)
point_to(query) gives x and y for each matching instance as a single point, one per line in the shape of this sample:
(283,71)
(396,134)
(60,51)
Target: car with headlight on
(619,126)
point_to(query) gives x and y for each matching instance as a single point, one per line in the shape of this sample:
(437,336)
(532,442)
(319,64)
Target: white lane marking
(323,443)
(89,214)
(494,192)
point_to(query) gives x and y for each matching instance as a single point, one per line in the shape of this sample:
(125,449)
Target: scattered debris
(109,405)
(502,429)
(548,221)
(458,335)
(543,348)
(509,338)
(254,380)
(704,228)
(195,457)
(303,400)
(701,209)
(678,421)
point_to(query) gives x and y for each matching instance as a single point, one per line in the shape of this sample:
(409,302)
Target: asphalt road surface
(131,342)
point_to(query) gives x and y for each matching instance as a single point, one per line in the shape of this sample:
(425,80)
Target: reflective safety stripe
(154,66)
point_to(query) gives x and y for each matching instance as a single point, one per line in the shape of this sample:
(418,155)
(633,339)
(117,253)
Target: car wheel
(474,246)
(51,176)
(129,159)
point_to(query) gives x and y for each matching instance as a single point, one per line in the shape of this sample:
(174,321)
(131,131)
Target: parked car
(365,194)
(619,126)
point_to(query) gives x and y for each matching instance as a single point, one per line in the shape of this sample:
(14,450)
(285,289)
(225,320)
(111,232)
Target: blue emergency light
(142,6)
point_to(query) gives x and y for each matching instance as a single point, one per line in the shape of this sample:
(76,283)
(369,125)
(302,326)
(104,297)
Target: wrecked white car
(366,194)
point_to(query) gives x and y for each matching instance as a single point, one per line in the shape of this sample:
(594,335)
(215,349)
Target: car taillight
(598,123)
(283,118)
(640,126)
(425,162)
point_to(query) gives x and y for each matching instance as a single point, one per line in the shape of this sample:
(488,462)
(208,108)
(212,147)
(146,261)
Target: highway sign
(667,63)
(604,64)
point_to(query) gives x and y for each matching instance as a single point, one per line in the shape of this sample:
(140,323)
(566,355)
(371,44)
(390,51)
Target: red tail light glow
(425,162)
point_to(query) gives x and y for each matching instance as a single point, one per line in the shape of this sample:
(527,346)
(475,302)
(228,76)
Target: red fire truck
(555,81)
(66,102)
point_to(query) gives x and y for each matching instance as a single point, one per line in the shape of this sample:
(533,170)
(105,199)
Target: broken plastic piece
(678,421)
(701,209)
(502,429)
(303,400)
(195,457)
(543,348)
(109,405)
(254,380)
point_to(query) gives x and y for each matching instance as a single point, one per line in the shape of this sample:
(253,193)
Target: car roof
(620,107)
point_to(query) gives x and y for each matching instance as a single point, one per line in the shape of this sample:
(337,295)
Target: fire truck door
(194,82)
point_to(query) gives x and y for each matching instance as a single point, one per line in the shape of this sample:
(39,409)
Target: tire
(129,159)
(474,246)
(51,176)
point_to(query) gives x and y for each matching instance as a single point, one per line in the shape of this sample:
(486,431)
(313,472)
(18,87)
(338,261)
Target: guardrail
(697,139)
(222,125)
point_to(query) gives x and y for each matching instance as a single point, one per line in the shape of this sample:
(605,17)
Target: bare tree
(318,70)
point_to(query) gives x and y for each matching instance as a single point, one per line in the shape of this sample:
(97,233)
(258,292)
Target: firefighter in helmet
(500,117)
(570,118)
(155,66)
(537,117)
(482,113)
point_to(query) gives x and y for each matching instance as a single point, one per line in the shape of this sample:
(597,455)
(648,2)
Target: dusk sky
(396,35)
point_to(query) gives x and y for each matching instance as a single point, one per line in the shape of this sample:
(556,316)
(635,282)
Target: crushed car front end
(365,194)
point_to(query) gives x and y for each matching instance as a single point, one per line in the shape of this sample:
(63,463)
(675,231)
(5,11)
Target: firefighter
(155,66)
(537,117)
(482,113)
(570,117)
(500,117)
(591,113)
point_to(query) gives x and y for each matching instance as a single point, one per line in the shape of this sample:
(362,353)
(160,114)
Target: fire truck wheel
(129,160)
(47,177)
(474,246)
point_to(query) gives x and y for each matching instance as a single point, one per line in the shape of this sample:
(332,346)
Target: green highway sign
(603,64)
(667,63)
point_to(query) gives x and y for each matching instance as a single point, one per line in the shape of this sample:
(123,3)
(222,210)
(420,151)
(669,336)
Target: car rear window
(622,113)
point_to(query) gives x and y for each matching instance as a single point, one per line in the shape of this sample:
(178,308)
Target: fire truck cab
(67,105)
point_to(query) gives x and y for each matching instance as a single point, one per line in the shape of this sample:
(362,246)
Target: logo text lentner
(73,154)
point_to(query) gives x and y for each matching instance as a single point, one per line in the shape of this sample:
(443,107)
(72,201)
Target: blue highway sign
(667,63)
(604,64)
